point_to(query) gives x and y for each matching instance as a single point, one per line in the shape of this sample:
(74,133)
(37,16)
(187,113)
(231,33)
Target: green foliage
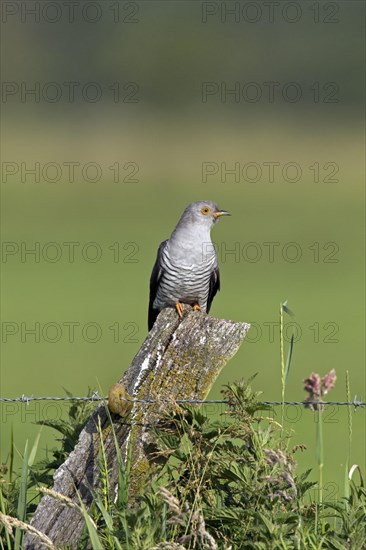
(231,479)
(70,428)
(352,515)
(18,496)
(224,483)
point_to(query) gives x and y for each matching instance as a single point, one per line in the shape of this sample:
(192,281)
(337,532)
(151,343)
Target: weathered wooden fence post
(178,360)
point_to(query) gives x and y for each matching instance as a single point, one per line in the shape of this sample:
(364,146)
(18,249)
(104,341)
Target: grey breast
(187,271)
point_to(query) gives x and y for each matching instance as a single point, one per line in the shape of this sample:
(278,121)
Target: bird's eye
(205,210)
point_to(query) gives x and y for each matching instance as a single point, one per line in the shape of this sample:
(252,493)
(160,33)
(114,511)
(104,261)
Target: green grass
(228,482)
(108,293)
(115,294)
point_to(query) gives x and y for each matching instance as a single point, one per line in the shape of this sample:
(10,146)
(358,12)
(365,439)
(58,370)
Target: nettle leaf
(270,527)
(234,473)
(300,478)
(226,515)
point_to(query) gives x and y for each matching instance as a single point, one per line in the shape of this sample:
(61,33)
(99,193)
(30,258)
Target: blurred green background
(161,130)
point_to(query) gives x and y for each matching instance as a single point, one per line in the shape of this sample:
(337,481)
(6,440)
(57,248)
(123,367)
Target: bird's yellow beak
(221,213)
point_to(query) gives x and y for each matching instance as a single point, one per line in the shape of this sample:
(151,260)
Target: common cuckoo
(186,270)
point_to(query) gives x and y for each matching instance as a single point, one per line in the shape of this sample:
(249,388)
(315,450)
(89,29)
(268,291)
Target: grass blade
(349,457)
(11,461)
(3,510)
(22,499)
(92,529)
(32,454)
(289,357)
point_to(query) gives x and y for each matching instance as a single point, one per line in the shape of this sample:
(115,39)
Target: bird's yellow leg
(179,308)
(197,307)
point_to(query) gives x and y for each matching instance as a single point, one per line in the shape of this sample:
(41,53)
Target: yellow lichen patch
(106,431)
(116,404)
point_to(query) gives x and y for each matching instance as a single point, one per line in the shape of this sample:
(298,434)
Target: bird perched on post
(186,270)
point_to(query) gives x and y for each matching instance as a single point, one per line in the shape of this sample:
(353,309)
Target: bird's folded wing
(155,279)
(214,286)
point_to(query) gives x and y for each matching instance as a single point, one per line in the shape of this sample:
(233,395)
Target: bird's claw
(179,308)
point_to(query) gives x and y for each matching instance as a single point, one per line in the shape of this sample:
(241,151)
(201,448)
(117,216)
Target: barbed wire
(96,397)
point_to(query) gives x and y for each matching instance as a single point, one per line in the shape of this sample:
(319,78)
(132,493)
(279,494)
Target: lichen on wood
(180,359)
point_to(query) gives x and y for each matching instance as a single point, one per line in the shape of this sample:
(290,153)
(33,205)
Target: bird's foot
(197,307)
(179,308)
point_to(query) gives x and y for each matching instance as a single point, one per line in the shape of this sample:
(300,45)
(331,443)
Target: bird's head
(204,213)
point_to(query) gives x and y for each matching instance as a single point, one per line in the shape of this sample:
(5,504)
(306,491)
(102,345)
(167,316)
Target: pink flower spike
(313,385)
(328,381)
